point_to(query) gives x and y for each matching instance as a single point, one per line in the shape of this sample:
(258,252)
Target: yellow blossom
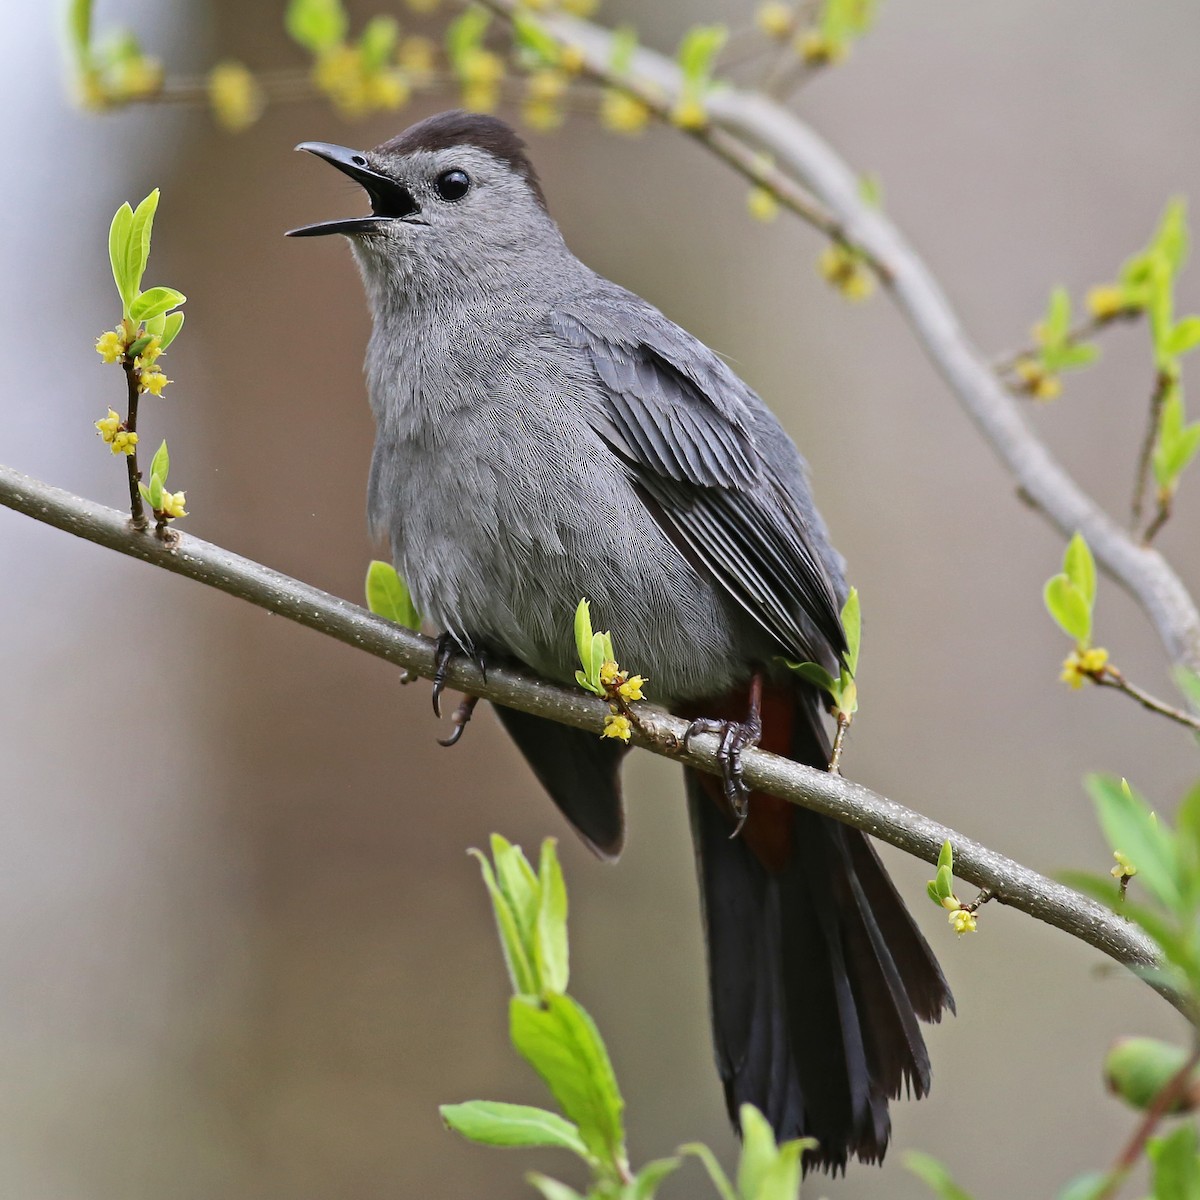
(110,346)
(135,78)
(1083,664)
(546,83)
(150,353)
(617,725)
(1124,868)
(623,113)
(1106,302)
(572,59)
(689,113)
(481,97)
(962,921)
(846,271)
(952,903)
(762,204)
(387,90)
(818,50)
(123,442)
(631,689)
(542,115)
(1037,381)
(774,18)
(611,674)
(172,504)
(153,381)
(109,426)
(236,98)
(418,57)
(479,67)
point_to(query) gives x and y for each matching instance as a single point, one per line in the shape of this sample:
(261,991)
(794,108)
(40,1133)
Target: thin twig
(1141,479)
(1133,1150)
(1161,516)
(1006,364)
(1110,676)
(137,510)
(821,791)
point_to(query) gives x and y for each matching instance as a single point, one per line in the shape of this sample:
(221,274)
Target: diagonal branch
(762,124)
(1008,881)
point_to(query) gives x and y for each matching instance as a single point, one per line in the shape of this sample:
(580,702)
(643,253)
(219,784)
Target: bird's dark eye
(453,184)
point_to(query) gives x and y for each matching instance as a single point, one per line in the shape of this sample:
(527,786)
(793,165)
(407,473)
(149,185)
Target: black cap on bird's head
(400,193)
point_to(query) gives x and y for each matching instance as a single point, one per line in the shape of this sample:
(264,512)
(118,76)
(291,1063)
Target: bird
(544,435)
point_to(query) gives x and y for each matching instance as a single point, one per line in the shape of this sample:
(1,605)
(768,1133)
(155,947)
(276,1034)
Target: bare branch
(1007,881)
(755,122)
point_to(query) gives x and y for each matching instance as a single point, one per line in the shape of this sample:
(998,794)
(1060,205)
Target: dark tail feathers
(818,976)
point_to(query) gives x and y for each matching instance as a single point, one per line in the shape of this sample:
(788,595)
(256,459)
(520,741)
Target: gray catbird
(544,435)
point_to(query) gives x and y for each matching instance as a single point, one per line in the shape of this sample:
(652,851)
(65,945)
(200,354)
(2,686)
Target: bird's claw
(462,714)
(734,737)
(447,650)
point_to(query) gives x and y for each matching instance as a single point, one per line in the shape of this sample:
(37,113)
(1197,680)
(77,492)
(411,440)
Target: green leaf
(584,647)
(118,252)
(1091,1186)
(1058,318)
(160,464)
(852,625)
(465,34)
(318,25)
(560,1041)
(1176,1166)
(1069,608)
(720,1180)
(172,324)
(154,302)
(931,890)
(934,1175)
(155,494)
(155,326)
(516,957)
(648,1180)
(1171,238)
(521,889)
(758,1151)
(532,38)
(1131,828)
(1161,306)
(492,1123)
(138,345)
(1184,336)
(1070,356)
(377,43)
(781,1181)
(388,595)
(815,674)
(137,248)
(698,51)
(944,882)
(1080,568)
(622,49)
(551,1189)
(946,857)
(550,953)
(79,27)
(1138,1068)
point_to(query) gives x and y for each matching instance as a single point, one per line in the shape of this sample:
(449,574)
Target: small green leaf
(1130,827)
(154,302)
(172,324)
(492,1123)
(160,464)
(1171,238)
(318,25)
(1176,1166)
(118,252)
(550,954)
(156,492)
(137,346)
(934,1175)
(532,38)
(648,1180)
(698,51)
(1069,608)
(1080,568)
(560,1041)
(720,1180)
(815,674)
(931,890)
(1184,337)
(1058,318)
(388,596)
(622,49)
(758,1151)
(585,648)
(944,882)
(516,957)
(1161,306)
(1138,1068)
(522,891)
(781,1180)
(137,249)
(1091,1186)
(946,857)
(377,43)
(551,1189)
(852,625)
(465,34)
(155,326)
(79,26)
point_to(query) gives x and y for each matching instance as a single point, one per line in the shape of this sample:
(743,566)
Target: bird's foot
(462,714)
(735,737)
(448,649)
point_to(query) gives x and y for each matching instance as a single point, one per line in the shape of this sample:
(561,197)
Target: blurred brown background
(244,951)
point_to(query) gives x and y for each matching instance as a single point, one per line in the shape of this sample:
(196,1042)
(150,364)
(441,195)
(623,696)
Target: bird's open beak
(389,200)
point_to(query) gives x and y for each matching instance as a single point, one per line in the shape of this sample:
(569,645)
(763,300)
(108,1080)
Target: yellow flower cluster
(111,345)
(846,271)
(481,72)
(628,687)
(236,98)
(116,436)
(817,50)
(355,90)
(1124,868)
(172,505)
(1037,381)
(545,90)
(762,204)
(962,921)
(622,113)
(417,57)
(689,113)
(775,18)
(1083,664)
(617,725)
(1106,302)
